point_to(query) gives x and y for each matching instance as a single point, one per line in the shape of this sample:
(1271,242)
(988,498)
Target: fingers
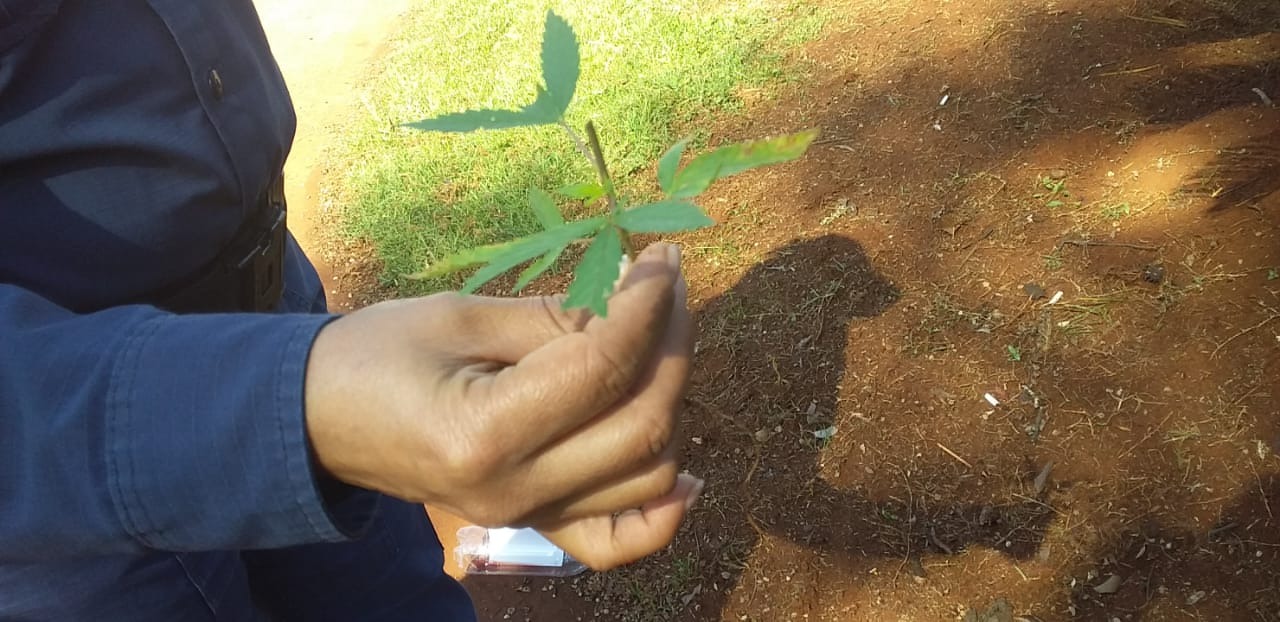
(604,542)
(631,490)
(628,439)
(570,380)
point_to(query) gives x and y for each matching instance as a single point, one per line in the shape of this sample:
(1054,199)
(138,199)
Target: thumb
(604,542)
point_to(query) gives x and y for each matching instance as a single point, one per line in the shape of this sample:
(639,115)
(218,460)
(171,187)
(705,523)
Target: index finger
(571,379)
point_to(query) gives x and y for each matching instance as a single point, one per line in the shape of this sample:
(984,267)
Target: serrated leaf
(668,163)
(508,253)
(586,191)
(664,217)
(526,248)
(536,268)
(699,174)
(560,63)
(596,273)
(544,208)
(460,260)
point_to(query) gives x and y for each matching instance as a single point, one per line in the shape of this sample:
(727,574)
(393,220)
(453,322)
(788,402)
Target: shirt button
(215,83)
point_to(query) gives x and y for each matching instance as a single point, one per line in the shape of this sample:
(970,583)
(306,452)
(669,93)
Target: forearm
(132,428)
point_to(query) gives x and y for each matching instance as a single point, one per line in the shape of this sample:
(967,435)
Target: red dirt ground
(1113,151)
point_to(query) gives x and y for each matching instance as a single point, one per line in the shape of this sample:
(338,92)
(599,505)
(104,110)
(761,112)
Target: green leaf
(460,260)
(560,63)
(596,273)
(544,207)
(536,268)
(698,175)
(668,163)
(586,191)
(509,252)
(526,248)
(664,217)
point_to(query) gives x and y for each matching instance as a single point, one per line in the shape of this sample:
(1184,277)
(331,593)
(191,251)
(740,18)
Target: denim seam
(197,585)
(120,403)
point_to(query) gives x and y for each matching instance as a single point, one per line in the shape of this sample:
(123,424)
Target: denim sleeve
(131,429)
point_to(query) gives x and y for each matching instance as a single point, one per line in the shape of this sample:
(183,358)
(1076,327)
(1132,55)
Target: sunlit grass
(651,72)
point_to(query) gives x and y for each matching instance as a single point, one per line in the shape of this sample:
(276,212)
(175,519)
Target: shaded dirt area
(1106,453)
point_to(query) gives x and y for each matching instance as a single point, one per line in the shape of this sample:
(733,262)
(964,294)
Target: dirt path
(324,48)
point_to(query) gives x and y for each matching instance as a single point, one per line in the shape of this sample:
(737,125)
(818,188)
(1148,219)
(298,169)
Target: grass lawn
(651,72)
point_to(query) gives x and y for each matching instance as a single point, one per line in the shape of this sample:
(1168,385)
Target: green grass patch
(651,72)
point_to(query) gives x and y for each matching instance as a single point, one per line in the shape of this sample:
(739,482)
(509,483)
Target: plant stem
(577,142)
(611,195)
(593,141)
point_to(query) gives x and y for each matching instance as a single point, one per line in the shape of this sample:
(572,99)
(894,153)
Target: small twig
(1150,434)
(1262,491)
(1217,531)
(748,497)
(933,537)
(1263,96)
(1021,573)
(1243,333)
(1039,503)
(1129,71)
(832,140)
(1087,243)
(973,246)
(954,455)
(1165,21)
(986,233)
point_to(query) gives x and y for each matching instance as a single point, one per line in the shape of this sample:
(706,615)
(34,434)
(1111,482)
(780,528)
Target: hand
(514,412)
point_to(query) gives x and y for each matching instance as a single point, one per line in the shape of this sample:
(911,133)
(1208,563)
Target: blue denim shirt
(135,136)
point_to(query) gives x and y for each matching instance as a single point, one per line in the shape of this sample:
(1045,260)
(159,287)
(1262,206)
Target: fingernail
(673,256)
(694,493)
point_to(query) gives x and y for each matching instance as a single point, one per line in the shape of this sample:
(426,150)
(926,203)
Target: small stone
(985,516)
(1034,291)
(1110,586)
(1153,273)
(1058,173)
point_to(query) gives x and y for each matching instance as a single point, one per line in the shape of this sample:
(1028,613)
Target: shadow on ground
(1121,153)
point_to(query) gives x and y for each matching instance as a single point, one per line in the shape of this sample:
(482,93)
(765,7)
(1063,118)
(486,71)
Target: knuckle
(659,433)
(616,376)
(468,464)
(662,480)
(552,307)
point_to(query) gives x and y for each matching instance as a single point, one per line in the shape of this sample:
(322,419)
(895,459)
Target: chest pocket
(20,18)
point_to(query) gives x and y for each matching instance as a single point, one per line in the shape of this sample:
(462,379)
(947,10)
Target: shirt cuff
(206,442)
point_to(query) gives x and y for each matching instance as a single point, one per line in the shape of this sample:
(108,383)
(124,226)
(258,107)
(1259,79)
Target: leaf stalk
(611,194)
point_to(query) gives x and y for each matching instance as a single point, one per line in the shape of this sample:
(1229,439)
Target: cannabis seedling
(610,233)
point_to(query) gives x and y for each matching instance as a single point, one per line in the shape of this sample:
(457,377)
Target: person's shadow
(774,426)
(770,378)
